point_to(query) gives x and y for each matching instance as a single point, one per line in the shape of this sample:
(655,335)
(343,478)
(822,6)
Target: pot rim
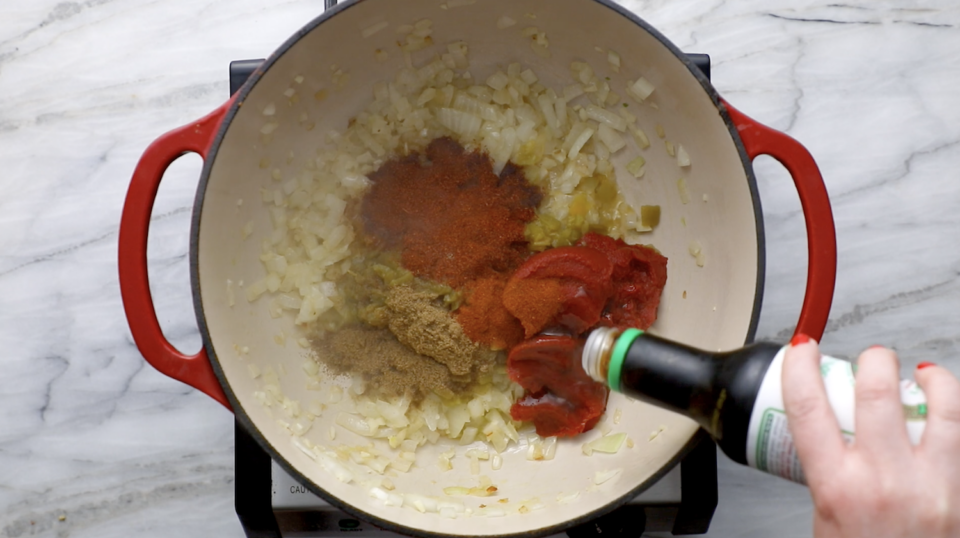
(248,424)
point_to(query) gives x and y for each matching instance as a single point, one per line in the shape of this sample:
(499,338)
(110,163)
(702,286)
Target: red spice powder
(452,218)
(564,287)
(535,303)
(484,317)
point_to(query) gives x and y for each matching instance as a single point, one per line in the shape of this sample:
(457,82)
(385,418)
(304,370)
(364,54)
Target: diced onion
(614,60)
(373,29)
(605,476)
(608,444)
(640,138)
(305,446)
(549,448)
(696,250)
(635,167)
(684,192)
(683,158)
(610,138)
(579,142)
(461,123)
(641,89)
(505,22)
(604,116)
(255,290)
(498,80)
(572,91)
(334,467)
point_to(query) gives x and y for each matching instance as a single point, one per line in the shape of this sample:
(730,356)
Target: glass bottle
(734,395)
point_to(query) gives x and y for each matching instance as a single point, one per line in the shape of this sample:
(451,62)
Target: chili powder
(452,218)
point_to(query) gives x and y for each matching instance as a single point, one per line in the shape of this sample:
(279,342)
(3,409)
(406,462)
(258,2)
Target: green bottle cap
(618,355)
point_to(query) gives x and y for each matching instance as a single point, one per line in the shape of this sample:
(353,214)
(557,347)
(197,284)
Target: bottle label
(770,446)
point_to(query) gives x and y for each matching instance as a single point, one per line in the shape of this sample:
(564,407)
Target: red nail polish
(924,365)
(798,339)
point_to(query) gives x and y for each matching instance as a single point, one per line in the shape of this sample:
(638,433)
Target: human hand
(880,485)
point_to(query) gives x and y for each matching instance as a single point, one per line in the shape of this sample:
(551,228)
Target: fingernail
(923,365)
(875,346)
(798,339)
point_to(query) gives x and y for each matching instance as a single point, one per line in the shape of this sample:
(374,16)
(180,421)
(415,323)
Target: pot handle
(759,139)
(194,370)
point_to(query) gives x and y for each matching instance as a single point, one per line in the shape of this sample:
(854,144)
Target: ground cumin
(421,349)
(388,367)
(427,328)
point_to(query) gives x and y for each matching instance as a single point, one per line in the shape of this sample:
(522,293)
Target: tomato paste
(639,275)
(599,282)
(567,287)
(561,398)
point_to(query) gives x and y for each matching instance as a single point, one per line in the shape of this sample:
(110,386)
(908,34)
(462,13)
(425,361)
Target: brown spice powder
(430,330)
(423,350)
(388,366)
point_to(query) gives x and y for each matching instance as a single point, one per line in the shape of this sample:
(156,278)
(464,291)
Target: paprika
(452,218)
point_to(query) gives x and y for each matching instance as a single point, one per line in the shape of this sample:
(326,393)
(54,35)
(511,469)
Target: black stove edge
(240,71)
(702,61)
(699,492)
(253,487)
(253,482)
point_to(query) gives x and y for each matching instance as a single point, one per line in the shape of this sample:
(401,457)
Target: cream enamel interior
(715,313)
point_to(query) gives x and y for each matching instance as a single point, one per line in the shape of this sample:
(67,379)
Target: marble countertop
(93,442)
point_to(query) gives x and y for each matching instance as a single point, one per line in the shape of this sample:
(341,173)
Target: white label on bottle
(770,446)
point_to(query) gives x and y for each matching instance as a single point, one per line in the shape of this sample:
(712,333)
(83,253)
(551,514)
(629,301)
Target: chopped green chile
(650,215)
